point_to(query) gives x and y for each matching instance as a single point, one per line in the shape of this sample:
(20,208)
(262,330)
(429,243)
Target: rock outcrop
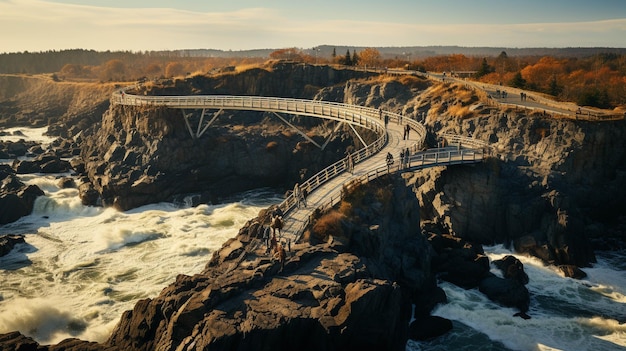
(8,242)
(16,198)
(352,290)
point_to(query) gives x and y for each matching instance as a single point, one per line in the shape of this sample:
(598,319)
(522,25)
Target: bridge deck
(297,218)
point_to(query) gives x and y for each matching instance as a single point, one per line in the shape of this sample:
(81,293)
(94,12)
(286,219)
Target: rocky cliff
(553,188)
(141,155)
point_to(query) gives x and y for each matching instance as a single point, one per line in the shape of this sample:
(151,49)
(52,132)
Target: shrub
(328,224)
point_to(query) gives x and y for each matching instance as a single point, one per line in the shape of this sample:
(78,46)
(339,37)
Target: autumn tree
(153,70)
(370,57)
(113,70)
(71,71)
(174,69)
(291,54)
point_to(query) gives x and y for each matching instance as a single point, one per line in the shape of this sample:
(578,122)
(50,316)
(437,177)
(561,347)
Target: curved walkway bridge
(324,189)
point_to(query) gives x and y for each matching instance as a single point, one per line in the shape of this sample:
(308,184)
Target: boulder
(429,327)
(572,271)
(512,268)
(66,183)
(55,166)
(7,242)
(26,167)
(507,292)
(89,196)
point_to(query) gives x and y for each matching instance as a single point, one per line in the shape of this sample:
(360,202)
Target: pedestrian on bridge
(407,154)
(389,161)
(349,163)
(296,194)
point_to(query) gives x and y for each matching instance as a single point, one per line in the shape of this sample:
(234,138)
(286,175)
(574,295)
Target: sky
(139,25)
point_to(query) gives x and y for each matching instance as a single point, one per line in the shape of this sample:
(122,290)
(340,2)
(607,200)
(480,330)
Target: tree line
(597,80)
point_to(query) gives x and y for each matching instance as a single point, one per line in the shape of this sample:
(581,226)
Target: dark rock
(55,166)
(66,183)
(88,194)
(458,261)
(7,242)
(429,327)
(425,302)
(26,167)
(507,292)
(572,271)
(12,208)
(15,341)
(512,268)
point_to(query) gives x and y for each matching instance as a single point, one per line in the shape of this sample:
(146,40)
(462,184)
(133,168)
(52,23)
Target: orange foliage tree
(369,57)
(174,69)
(292,54)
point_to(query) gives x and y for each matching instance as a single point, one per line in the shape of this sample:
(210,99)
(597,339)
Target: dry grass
(460,111)
(328,224)
(408,80)
(248,66)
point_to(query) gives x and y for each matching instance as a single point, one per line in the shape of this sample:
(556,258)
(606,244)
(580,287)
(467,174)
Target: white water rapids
(84,266)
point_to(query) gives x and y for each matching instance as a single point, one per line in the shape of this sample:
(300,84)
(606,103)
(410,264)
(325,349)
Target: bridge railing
(366,117)
(332,171)
(421,160)
(466,142)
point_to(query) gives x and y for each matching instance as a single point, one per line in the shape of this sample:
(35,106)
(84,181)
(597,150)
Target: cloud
(42,25)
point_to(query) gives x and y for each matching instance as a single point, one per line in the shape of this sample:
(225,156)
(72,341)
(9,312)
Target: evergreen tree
(518,81)
(484,69)
(355,58)
(347,60)
(334,53)
(554,88)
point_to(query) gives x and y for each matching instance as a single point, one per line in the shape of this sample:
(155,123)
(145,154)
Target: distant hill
(415,52)
(52,61)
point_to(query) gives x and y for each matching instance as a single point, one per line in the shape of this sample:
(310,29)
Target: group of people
(523,96)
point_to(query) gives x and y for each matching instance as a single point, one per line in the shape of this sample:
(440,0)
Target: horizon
(242,25)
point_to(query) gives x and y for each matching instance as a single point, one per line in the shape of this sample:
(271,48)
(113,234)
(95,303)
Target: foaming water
(567,314)
(30,134)
(83,266)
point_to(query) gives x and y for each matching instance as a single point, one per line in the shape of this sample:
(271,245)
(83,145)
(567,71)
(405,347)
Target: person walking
(389,161)
(266,239)
(296,194)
